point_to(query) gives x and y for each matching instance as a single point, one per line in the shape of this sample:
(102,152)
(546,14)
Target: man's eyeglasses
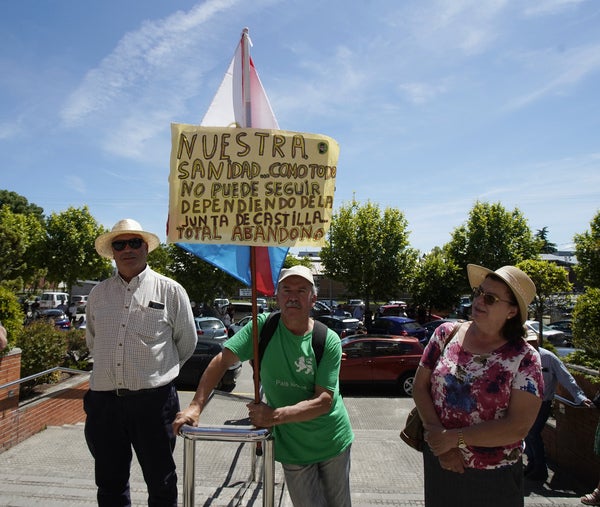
(488,298)
(120,244)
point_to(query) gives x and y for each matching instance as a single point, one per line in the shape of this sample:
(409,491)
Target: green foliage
(19,204)
(43,347)
(160,259)
(586,322)
(69,252)
(368,251)
(78,354)
(587,250)
(492,237)
(20,239)
(437,281)
(202,281)
(11,316)
(548,279)
(544,244)
(291,261)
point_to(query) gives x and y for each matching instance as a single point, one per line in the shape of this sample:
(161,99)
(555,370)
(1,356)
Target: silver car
(210,328)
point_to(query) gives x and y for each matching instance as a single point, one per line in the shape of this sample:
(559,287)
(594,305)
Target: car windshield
(411,326)
(210,324)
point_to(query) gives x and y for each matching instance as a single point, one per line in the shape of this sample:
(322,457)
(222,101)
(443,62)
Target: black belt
(129,392)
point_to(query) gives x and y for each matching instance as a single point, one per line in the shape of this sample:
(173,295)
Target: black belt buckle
(124,392)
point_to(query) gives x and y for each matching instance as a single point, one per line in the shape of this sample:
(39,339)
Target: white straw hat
(126,226)
(519,283)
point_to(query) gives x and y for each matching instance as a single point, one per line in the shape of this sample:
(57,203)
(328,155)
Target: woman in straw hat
(478,395)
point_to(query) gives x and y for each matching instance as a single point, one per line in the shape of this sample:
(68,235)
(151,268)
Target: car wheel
(405,383)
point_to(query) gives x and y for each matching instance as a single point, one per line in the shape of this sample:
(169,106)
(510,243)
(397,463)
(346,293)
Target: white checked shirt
(139,333)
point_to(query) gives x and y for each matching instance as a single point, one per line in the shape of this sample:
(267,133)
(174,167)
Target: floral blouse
(467,389)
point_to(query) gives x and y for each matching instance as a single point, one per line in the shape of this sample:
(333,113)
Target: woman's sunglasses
(120,244)
(488,298)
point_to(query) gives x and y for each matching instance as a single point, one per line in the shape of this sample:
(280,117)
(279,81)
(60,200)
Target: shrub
(78,354)
(586,323)
(11,316)
(43,347)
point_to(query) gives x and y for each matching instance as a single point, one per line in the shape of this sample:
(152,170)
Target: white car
(556,338)
(236,326)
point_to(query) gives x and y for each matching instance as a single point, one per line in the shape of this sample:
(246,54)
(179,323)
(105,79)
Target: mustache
(292,304)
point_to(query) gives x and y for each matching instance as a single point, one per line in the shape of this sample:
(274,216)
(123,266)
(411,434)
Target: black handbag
(413,433)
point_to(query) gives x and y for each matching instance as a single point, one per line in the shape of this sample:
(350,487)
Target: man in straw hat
(303,406)
(140,330)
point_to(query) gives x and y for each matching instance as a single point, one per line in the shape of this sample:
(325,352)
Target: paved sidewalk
(54,468)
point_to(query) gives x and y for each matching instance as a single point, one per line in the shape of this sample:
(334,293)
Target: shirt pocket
(150,323)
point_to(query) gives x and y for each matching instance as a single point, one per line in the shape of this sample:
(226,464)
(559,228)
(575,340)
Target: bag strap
(319,336)
(448,338)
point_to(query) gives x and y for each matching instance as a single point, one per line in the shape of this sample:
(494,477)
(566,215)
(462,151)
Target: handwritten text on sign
(250,186)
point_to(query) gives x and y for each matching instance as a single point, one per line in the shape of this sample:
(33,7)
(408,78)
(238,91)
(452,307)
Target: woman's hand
(452,461)
(439,439)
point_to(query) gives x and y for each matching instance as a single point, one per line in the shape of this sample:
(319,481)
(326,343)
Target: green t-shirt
(288,376)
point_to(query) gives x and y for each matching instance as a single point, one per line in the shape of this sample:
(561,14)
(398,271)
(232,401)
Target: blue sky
(435,104)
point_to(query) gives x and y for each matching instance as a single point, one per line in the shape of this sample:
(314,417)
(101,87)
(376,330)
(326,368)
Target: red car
(377,359)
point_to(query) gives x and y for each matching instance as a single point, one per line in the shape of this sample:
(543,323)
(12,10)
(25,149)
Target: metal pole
(189,472)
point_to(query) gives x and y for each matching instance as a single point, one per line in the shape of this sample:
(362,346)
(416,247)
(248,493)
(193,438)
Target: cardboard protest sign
(253,187)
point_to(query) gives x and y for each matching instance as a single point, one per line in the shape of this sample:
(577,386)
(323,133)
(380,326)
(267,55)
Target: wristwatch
(461,440)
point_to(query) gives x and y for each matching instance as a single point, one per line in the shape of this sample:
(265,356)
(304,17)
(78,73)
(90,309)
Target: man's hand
(261,415)
(188,416)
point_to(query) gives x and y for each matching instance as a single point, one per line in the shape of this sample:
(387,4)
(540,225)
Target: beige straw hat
(126,226)
(519,283)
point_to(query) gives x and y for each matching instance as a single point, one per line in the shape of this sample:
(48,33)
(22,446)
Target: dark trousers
(115,425)
(534,443)
(499,487)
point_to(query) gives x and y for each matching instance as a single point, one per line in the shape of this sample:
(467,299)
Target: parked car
(432,325)
(331,303)
(80,303)
(210,327)
(399,326)
(193,368)
(343,326)
(55,316)
(566,326)
(376,359)
(394,310)
(554,336)
(53,299)
(236,326)
(320,308)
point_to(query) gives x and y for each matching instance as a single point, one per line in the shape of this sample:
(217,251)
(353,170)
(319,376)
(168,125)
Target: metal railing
(259,436)
(41,374)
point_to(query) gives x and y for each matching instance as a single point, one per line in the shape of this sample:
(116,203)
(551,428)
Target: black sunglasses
(488,298)
(120,244)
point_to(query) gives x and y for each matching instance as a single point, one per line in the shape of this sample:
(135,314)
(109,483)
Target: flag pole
(248,123)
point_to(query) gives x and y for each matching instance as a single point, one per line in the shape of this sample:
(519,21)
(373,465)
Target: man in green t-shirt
(303,406)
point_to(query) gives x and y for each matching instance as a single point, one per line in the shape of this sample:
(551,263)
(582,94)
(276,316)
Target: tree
(69,250)
(19,204)
(492,237)
(545,246)
(587,251)
(202,281)
(548,279)
(20,238)
(437,281)
(368,251)
(586,322)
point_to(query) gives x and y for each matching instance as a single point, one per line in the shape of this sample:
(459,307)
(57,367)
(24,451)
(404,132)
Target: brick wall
(60,405)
